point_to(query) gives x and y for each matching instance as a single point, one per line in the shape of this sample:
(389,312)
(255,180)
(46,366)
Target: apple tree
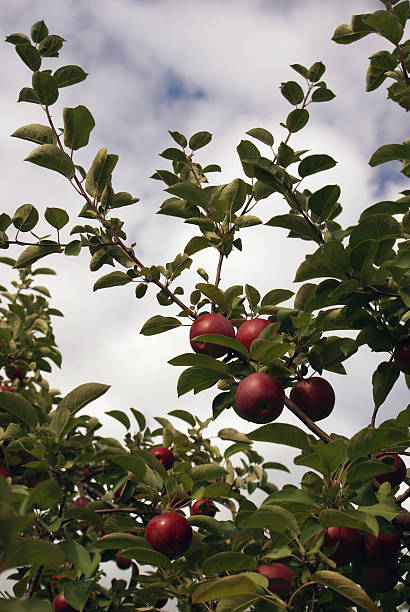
(73,499)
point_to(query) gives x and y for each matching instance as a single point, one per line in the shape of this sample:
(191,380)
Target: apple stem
(307,421)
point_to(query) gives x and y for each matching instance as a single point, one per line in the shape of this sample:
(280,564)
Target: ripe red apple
(164,456)
(123,563)
(250,330)
(60,604)
(280,577)
(315,396)
(204,507)
(14,371)
(349,542)
(378,577)
(81,501)
(169,533)
(5,472)
(211,324)
(259,398)
(395,478)
(6,388)
(401,355)
(385,546)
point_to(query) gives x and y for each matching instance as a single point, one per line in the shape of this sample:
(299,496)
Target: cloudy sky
(216,65)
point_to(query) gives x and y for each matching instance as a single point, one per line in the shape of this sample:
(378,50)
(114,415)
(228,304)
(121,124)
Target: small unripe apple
(211,324)
(14,371)
(315,396)
(60,604)
(250,330)
(123,563)
(169,533)
(401,355)
(378,577)
(349,542)
(395,478)
(80,502)
(280,577)
(164,456)
(259,398)
(5,472)
(6,388)
(385,546)
(204,507)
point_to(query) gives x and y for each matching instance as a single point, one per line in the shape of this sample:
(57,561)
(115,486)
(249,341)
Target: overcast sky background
(212,65)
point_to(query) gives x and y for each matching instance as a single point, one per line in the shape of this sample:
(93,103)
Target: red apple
(123,563)
(80,502)
(6,388)
(5,472)
(60,604)
(259,398)
(164,456)
(280,577)
(211,324)
(378,577)
(349,542)
(395,478)
(315,396)
(250,330)
(169,533)
(385,546)
(14,371)
(204,507)
(401,355)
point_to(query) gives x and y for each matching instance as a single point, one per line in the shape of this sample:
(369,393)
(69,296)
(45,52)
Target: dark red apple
(204,507)
(211,324)
(349,542)
(14,371)
(169,533)
(60,604)
(6,388)
(123,563)
(385,546)
(5,472)
(280,577)
(164,456)
(259,398)
(81,501)
(395,478)
(401,355)
(378,577)
(315,396)
(250,330)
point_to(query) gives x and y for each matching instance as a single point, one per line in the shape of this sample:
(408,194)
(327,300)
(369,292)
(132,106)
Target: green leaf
(174,155)
(323,201)
(282,433)
(51,157)
(197,243)
(246,149)
(189,191)
(73,248)
(349,518)
(179,139)
(344,35)
(268,516)
(19,407)
(123,198)
(78,592)
(82,395)
(228,561)
(78,124)
(130,463)
(38,31)
(30,56)
(69,75)
(230,343)
(184,416)
(263,135)
(146,556)
(292,91)
(296,120)
(44,495)
(365,471)
(316,71)
(120,416)
(77,554)
(57,217)
(296,224)
(199,361)
(199,140)
(300,70)
(329,260)
(247,221)
(159,324)
(370,440)
(117,541)
(45,87)
(213,293)
(27,94)
(345,587)
(276,296)
(196,379)
(112,279)
(208,471)
(14,605)
(30,551)
(221,402)
(322,94)
(387,24)
(25,218)
(100,172)
(234,194)
(228,586)
(377,227)
(390,152)
(383,380)
(35,132)
(315,163)
(50,46)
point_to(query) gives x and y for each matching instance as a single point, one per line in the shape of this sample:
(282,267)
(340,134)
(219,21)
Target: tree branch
(307,421)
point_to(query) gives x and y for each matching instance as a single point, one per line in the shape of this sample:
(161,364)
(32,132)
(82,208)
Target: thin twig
(34,582)
(401,498)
